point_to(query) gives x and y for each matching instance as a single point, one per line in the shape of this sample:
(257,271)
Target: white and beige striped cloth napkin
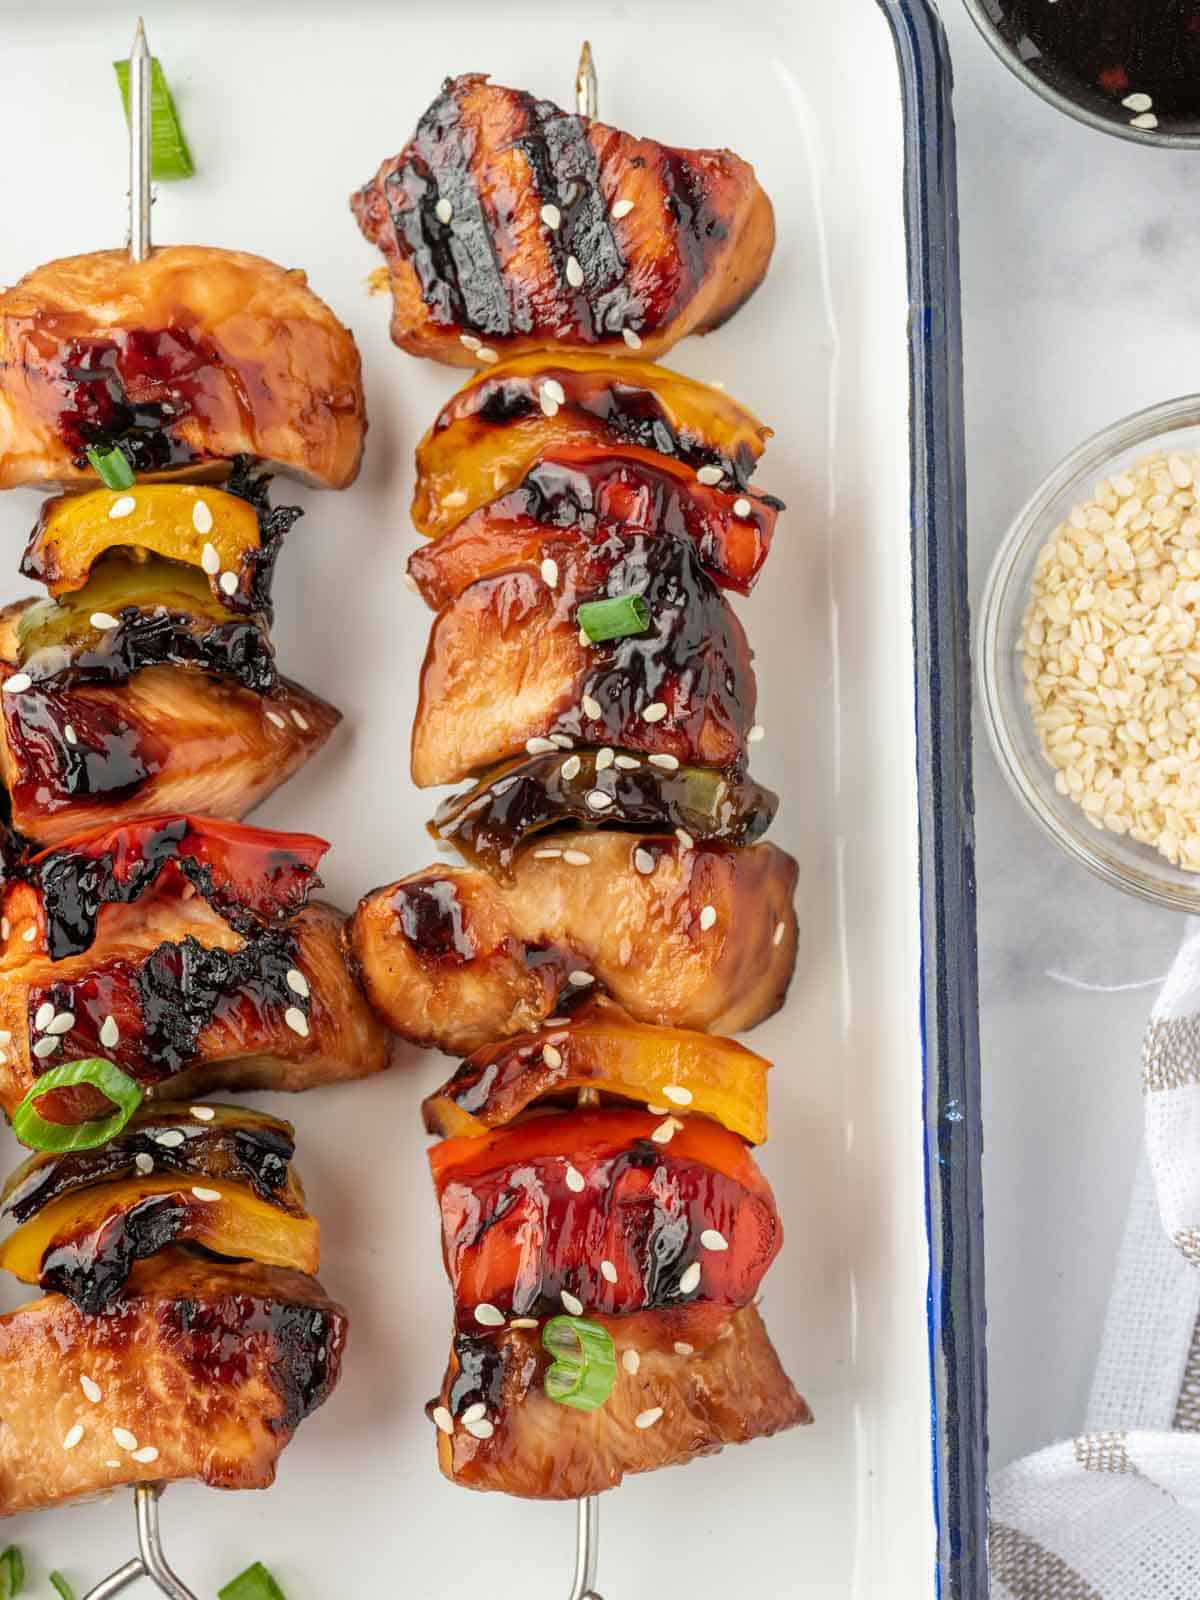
(1114,1514)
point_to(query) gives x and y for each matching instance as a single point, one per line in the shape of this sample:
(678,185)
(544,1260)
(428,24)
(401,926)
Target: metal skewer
(149,1561)
(141,127)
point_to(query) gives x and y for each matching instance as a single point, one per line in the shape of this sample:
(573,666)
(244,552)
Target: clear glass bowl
(1137,868)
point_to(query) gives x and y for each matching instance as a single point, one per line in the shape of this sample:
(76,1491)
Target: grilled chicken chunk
(508,222)
(168,739)
(508,671)
(670,1409)
(184,360)
(494,431)
(699,938)
(207,1367)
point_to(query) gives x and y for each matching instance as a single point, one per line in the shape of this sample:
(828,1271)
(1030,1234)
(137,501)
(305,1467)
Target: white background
(288,108)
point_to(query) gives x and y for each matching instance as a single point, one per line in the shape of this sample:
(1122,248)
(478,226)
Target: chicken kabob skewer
(150,1562)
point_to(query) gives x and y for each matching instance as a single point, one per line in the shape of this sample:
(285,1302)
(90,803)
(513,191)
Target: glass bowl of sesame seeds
(1089,654)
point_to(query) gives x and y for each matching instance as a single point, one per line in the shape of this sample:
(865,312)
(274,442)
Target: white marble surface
(1081,301)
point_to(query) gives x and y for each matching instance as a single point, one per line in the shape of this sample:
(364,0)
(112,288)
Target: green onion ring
(124,1092)
(585,1363)
(256,1583)
(613,619)
(61,1586)
(113,466)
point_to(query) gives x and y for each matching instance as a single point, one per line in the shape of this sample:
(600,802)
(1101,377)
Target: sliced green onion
(12,1572)
(613,619)
(256,1583)
(117,1086)
(61,1586)
(585,1363)
(169,153)
(113,466)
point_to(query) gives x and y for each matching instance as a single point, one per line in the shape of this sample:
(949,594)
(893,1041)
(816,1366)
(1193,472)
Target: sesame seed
(486,353)
(539,747)
(474,1412)
(574,273)
(523,1322)
(170,1139)
(677,1094)
(654,712)
(546,855)
(628,763)
(570,768)
(709,474)
(666,1131)
(683,1349)
(598,801)
(91,1389)
(777,936)
(202,1113)
(70,735)
(44,1016)
(72,1436)
(647,1419)
(657,1111)
(577,858)
(210,560)
(591,706)
(685,838)
(297,982)
(548,404)
(113,1464)
(622,208)
(604,759)
(667,762)
(443,1419)
(562,740)
(580,978)
(121,507)
(18,683)
(30,933)
(62,1023)
(571,1305)
(552,217)
(690,1279)
(488,1316)
(555,390)
(550,572)
(202,517)
(643,862)
(575,1180)
(228,583)
(273,716)
(633,340)
(741,507)
(124,1439)
(551,1056)
(1137,102)
(110,1033)
(712,1240)
(608,1272)
(708,917)
(143,1162)
(469,341)
(443,210)
(482,1429)
(146,1454)
(631,1361)
(1146,120)
(296,1021)
(46,1047)
(456,498)
(300,720)
(210,1195)
(756,733)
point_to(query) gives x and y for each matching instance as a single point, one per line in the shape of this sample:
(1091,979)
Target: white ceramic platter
(288,107)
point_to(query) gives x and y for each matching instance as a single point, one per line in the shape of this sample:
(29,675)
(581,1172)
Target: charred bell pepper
(606,1212)
(524,798)
(601,1048)
(84,1243)
(230,1143)
(489,435)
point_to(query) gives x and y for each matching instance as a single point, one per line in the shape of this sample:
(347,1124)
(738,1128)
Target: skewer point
(586,90)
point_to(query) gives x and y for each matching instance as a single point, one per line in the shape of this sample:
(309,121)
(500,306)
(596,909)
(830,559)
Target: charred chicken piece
(180,998)
(231,1143)
(508,221)
(185,361)
(700,938)
(507,669)
(524,800)
(167,739)
(568,497)
(601,1049)
(669,1409)
(232,535)
(209,1367)
(491,435)
(675,1206)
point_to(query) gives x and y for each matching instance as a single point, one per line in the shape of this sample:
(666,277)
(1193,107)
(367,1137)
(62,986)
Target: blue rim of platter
(949,995)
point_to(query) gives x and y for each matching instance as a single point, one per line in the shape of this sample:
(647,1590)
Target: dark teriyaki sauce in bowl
(1134,62)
